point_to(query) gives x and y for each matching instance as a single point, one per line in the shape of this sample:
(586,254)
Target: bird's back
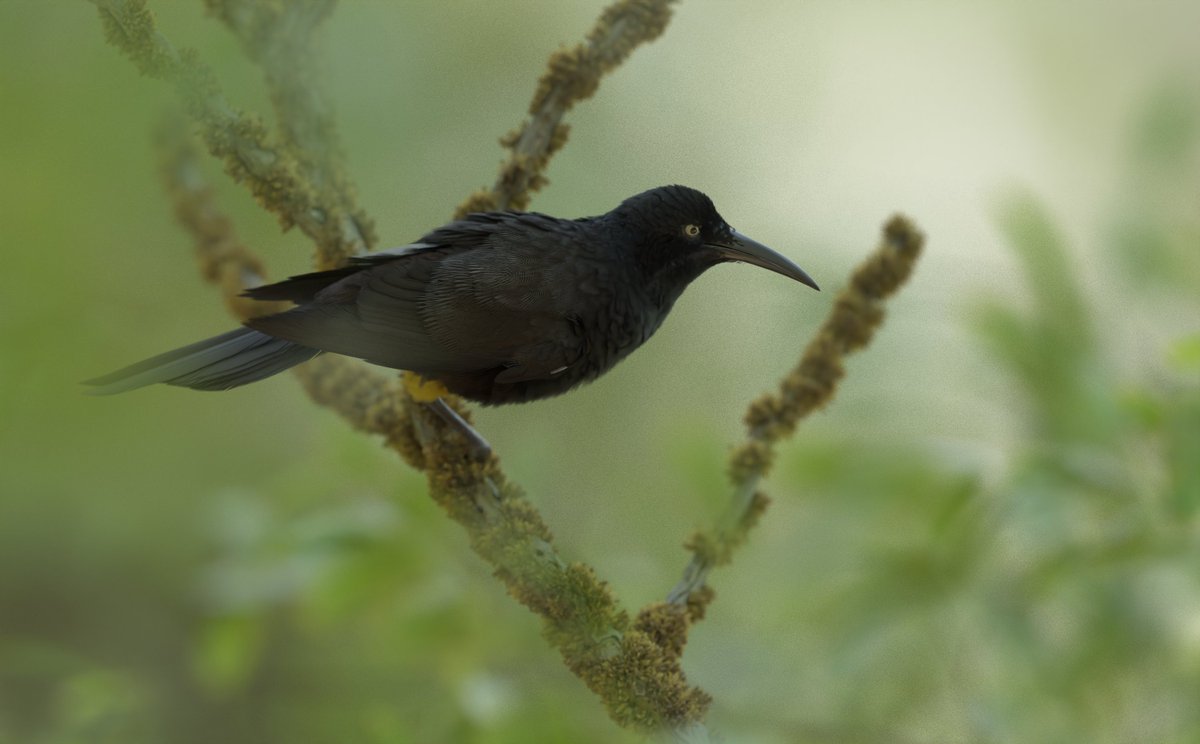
(501,307)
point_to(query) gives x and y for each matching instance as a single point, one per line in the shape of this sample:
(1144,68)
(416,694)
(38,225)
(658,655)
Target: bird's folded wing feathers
(391,308)
(375,315)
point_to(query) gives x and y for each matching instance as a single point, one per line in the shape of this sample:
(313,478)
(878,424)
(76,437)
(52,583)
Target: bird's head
(678,234)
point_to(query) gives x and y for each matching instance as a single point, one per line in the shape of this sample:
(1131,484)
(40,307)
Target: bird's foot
(477,446)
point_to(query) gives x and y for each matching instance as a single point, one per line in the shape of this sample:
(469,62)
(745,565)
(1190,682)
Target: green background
(990,536)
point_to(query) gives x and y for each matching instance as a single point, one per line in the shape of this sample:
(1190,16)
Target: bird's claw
(477,446)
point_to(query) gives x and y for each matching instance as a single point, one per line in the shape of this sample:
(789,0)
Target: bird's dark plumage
(499,307)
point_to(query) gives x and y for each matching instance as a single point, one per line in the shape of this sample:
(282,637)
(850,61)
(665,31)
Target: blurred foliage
(167,576)
(1157,213)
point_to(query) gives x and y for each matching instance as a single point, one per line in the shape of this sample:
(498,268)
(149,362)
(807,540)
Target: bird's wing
(516,306)
(471,231)
(452,303)
(373,314)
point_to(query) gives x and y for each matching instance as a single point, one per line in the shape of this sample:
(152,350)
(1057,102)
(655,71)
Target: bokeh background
(990,536)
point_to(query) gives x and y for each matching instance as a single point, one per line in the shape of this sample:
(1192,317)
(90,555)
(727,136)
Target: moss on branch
(572,75)
(633,665)
(272,172)
(857,313)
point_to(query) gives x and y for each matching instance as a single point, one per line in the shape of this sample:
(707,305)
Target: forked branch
(633,665)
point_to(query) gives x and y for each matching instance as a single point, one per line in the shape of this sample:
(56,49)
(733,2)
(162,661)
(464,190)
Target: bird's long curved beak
(746,250)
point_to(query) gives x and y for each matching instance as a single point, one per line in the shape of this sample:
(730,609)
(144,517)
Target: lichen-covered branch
(242,143)
(222,258)
(857,313)
(572,75)
(633,665)
(279,38)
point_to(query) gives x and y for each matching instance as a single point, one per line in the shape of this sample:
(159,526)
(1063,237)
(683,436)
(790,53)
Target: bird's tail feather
(235,358)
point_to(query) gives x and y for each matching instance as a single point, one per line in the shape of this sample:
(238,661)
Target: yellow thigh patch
(422,390)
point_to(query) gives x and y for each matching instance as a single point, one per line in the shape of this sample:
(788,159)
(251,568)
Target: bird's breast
(622,323)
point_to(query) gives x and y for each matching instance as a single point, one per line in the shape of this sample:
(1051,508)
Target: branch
(572,75)
(222,258)
(856,314)
(639,680)
(632,665)
(618,659)
(279,38)
(242,143)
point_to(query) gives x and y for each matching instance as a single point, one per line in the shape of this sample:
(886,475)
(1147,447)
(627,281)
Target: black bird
(498,307)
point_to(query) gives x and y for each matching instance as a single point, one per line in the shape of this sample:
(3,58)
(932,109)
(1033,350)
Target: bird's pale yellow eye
(691,230)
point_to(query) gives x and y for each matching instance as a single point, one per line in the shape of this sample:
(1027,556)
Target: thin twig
(857,313)
(279,38)
(572,75)
(222,258)
(241,142)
